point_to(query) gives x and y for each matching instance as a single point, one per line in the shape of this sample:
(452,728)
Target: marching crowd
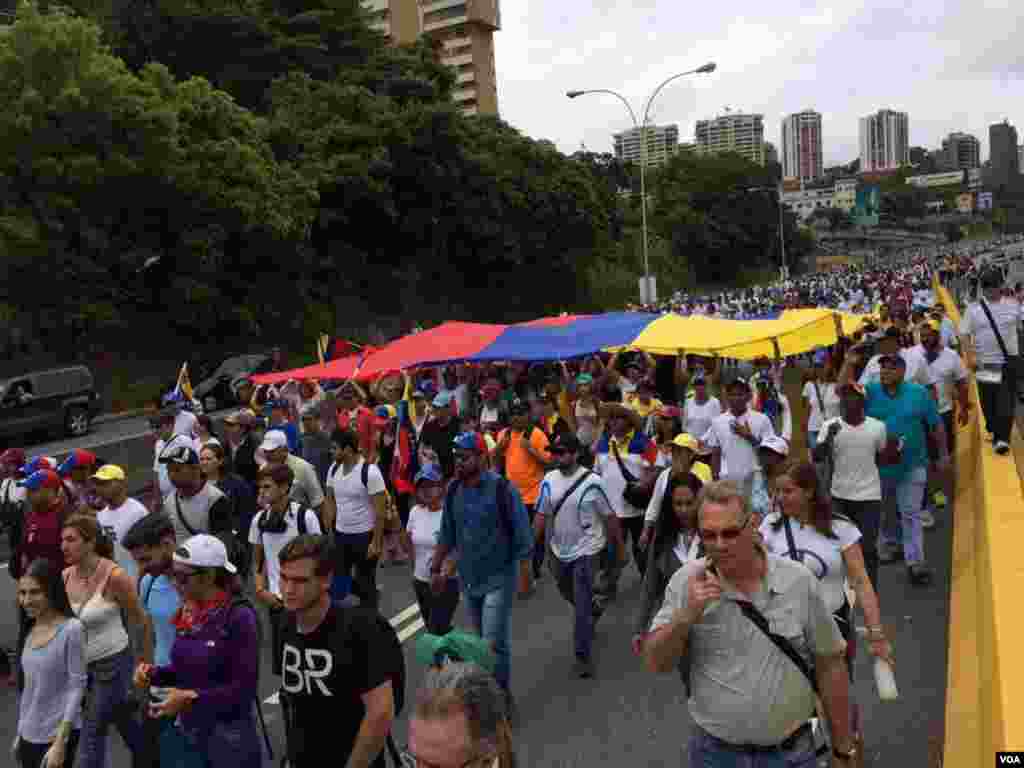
(755,554)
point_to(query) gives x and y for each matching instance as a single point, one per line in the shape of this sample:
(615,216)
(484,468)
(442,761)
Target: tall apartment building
(801,146)
(462,30)
(960,151)
(884,144)
(662,143)
(733,132)
(1003,154)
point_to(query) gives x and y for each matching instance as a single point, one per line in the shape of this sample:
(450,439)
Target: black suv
(57,398)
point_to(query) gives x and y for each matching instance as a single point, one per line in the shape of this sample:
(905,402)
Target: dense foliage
(256,167)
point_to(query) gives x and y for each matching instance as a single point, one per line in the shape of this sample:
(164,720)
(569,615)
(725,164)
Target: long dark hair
(805,476)
(668,526)
(52,583)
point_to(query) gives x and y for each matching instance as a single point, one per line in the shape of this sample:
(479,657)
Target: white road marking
(396,621)
(411,630)
(402,616)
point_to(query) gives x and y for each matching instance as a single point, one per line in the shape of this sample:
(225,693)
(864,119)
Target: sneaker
(1002,447)
(920,574)
(888,554)
(927,519)
(583,668)
(940,499)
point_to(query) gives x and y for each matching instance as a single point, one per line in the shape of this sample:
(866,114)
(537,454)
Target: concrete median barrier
(985,666)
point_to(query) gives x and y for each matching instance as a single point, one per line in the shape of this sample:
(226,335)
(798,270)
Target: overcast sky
(950,65)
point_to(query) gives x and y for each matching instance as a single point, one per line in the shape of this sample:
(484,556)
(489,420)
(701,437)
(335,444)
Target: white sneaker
(927,519)
(1002,447)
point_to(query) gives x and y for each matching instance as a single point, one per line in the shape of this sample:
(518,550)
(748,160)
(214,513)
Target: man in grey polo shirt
(748,700)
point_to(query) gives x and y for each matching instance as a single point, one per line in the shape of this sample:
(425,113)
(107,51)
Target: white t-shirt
(1007,314)
(917,369)
(424,528)
(822,556)
(273,543)
(161,469)
(355,512)
(697,418)
(947,369)
(739,457)
(854,468)
(115,524)
(829,397)
(579,527)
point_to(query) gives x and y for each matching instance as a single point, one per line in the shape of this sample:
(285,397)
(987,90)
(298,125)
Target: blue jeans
(901,513)
(576,584)
(491,614)
(708,752)
(108,703)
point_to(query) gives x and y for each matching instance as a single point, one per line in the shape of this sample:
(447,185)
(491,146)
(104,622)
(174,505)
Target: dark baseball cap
(565,442)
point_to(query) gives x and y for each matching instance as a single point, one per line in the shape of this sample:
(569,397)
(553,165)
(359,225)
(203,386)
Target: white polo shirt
(352,498)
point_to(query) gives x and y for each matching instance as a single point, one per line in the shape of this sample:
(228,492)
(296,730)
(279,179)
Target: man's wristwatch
(848,754)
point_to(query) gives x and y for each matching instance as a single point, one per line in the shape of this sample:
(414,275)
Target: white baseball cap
(204,551)
(273,440)
(775,444)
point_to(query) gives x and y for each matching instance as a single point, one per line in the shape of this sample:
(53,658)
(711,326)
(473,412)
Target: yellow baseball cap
(685,440)
(110,472)
(702,471)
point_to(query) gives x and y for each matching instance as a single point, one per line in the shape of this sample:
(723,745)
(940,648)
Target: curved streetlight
(703,70)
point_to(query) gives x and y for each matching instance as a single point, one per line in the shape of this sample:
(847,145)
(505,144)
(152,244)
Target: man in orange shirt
(522,455)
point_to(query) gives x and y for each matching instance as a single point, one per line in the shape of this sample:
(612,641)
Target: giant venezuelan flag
(562,338)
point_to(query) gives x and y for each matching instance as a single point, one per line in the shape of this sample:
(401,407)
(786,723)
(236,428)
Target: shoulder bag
(637,494)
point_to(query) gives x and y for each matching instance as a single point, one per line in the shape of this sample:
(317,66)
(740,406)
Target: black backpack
(393,650)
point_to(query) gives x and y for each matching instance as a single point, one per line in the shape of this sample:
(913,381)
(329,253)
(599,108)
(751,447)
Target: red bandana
(192,615)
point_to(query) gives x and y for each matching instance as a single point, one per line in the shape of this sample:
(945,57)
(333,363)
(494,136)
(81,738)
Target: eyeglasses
(727,535)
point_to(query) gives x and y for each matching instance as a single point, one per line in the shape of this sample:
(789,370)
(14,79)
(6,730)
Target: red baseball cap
(15,456)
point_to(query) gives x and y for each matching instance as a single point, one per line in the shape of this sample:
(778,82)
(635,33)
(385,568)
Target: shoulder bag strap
(780,642)
(565,497)
(995,329)
(622,466)
(821,402)
(790,541)
(177,506)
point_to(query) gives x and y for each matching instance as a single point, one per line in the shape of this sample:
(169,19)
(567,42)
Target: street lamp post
(642,126)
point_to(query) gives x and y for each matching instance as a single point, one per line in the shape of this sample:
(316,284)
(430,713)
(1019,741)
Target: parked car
(51,399)
(214,390)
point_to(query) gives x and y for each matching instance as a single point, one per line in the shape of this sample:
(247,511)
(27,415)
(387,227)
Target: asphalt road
(626,716)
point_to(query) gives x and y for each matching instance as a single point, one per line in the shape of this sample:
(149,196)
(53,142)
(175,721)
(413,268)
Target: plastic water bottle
(885,680)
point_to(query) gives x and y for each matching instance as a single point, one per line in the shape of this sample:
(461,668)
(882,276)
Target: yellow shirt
(633,403)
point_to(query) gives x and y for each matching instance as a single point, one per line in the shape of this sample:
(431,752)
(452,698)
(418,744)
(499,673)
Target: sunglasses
(727,535)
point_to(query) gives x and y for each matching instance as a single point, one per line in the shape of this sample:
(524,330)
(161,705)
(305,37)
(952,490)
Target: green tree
(104,171)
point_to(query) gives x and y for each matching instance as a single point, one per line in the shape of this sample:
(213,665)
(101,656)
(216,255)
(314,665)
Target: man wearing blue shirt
(908,410)
(485,520)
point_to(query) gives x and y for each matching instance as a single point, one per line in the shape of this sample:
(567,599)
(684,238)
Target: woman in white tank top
(99,591)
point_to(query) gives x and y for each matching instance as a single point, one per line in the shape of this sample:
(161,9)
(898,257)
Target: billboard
(984,201)
(866,209)
(965,202)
